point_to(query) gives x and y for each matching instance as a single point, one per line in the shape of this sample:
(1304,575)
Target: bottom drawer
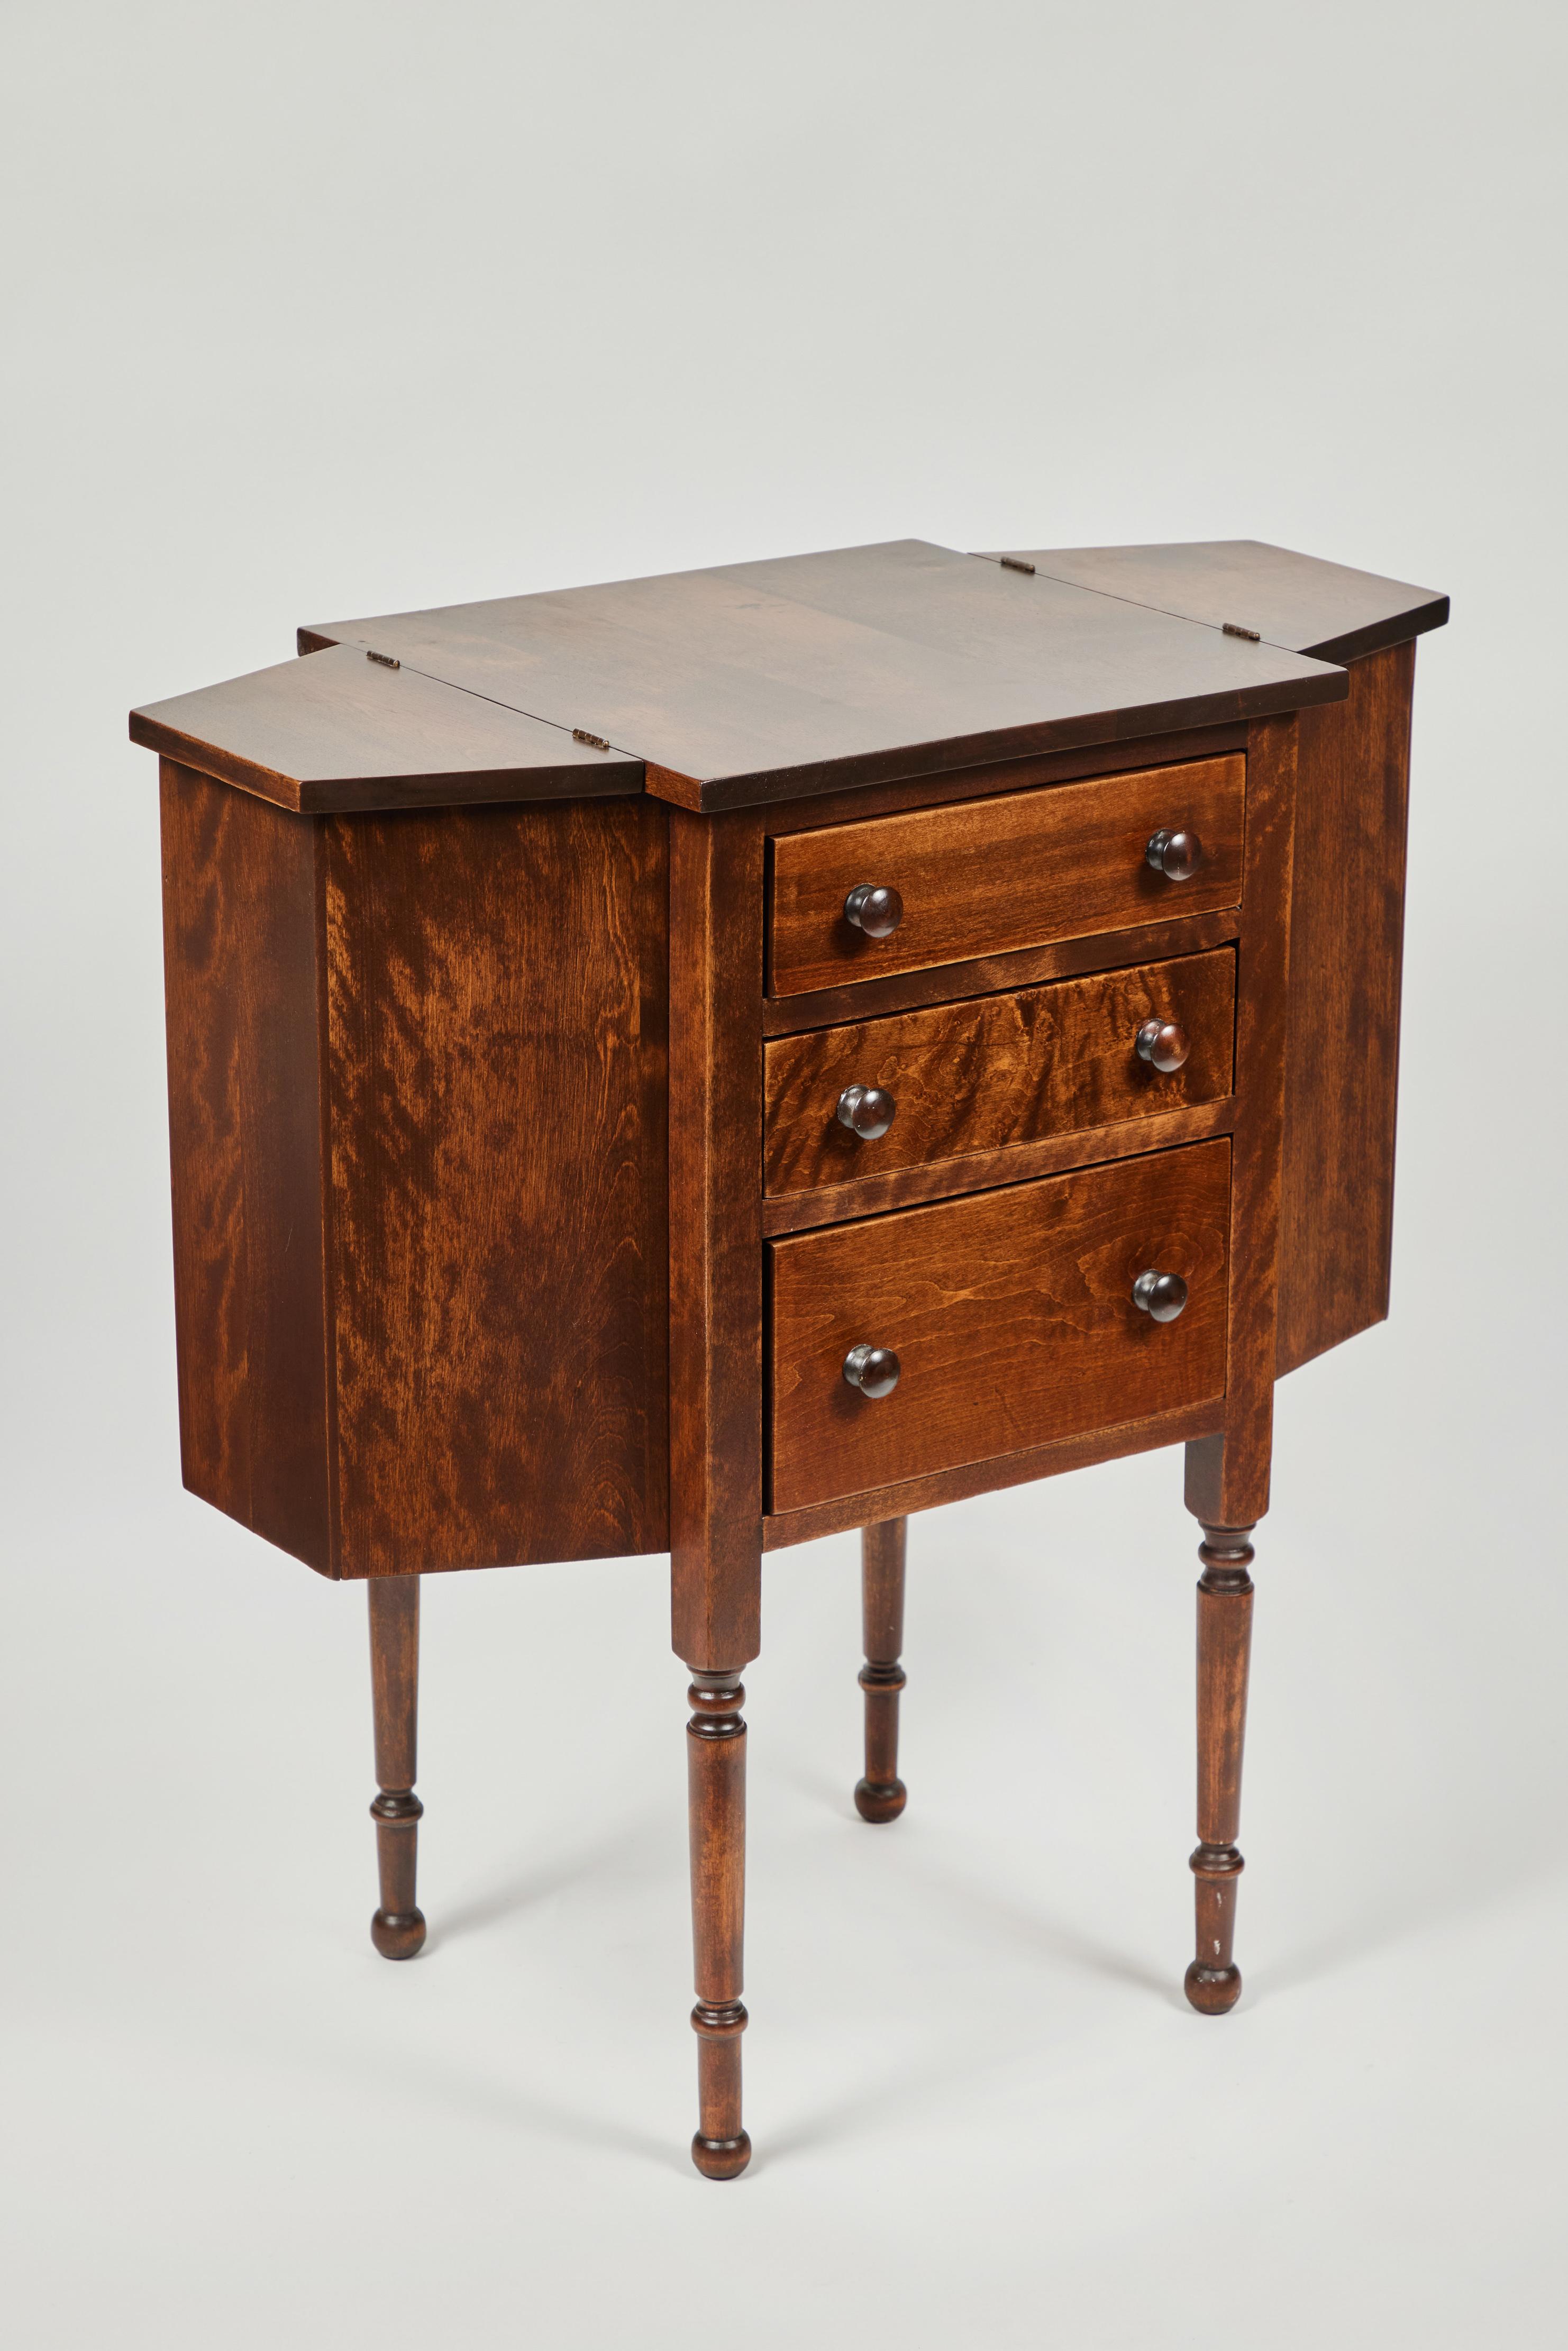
(1013,1317)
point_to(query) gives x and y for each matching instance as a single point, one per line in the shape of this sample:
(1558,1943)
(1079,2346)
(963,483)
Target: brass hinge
(1234,629)
(385,660)
(1016,563)
(595,742)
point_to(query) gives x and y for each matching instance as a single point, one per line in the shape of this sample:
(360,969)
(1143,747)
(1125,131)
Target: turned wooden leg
(1224,1641)
(715,1780)
(882,1794)
(397,1930)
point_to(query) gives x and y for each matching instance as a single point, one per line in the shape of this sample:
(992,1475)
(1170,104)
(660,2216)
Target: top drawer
(981,877)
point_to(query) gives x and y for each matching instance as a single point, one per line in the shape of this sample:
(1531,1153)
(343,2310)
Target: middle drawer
(997,1070)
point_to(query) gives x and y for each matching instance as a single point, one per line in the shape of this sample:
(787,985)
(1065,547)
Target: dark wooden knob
(1161,1295)
(1176,855)
(875,1370)
(866,1111)
(875,908)
(1163,1044)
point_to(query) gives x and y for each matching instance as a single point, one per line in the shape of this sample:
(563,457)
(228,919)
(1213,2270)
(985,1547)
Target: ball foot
(397,1934)
(721,2158)
(1213,1990)
(878,1802)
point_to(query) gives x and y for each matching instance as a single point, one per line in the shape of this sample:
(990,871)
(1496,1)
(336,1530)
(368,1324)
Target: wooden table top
(1295,600)
(757,682)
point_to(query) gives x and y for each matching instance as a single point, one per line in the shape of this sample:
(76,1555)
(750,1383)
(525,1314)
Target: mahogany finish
(1011,1313)
(758,682)
(998,1072)
(1014,1163)
(715,1243)
(343,732)
(1347,927)
(1184,1425)
(397,1929)
(882,1795)
(721,1061)
(1227,1477)
(494,1072)
(948,789)
(830,1008)
(716,1771)
(1295,600)
(243,1004)
(1224,1646)
(407,1054)
(993,875)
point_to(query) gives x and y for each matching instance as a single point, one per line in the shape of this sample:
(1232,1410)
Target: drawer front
(1001,1069)
(1012,1316)
(985,876)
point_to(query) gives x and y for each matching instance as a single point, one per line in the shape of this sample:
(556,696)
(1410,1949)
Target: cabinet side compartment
(1346,940)
(497,991)
(240,933)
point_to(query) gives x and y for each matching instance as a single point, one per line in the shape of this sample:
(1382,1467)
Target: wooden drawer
(1011,1313)
(999,1071)
(982,877)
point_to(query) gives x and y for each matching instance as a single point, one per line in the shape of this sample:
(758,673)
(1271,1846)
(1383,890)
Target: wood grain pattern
(983,1171)
(397,1929)
(756,682)
(240,908)
(845,1513)
(716,1241)
(1224,1646)
(830,1008)
(1227,1480)
(994,875)
(340,732)
(995,1072)
(1347,922)
(949,786)
(881,1795)
(716,1812)
(1011,1314)
(496,1055)
(1326,610)
(416,1118)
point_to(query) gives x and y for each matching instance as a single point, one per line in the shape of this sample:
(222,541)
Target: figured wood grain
(983,1171)
(756,682)
(997,1073)
(497,1060)
(240,905)
(715,1241)
(829,1008)
(340,732)
(1326,610)
(993,776)
(782,1528)
(993,875)
(1011,1315)
(1227,1481)
(1347,922)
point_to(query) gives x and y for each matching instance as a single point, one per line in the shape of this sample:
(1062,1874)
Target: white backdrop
(348,308)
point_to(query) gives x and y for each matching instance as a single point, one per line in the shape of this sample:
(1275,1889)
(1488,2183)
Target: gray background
(343,309)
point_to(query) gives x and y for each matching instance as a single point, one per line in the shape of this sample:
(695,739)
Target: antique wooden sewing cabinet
(700,1063)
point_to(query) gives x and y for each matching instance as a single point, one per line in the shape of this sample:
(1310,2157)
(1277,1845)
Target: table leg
(882,1794)
(716,1780)
(1224,1641)
(397,1930)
